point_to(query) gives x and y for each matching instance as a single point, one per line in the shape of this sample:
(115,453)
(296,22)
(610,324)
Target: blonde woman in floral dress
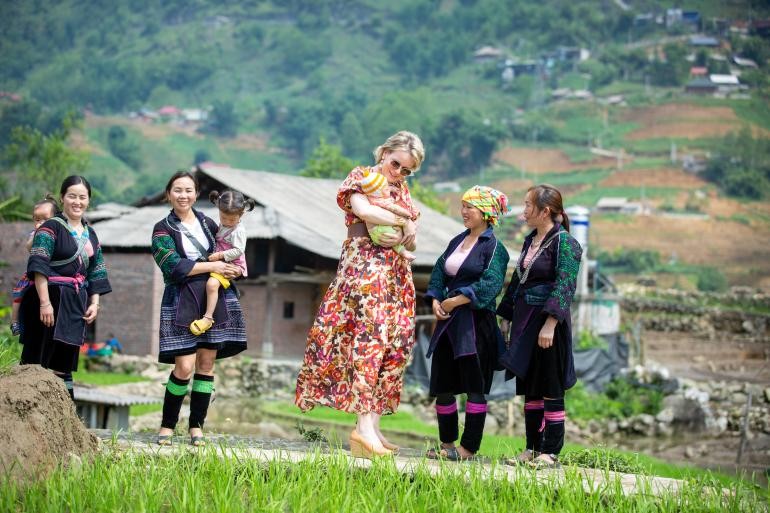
(363,335)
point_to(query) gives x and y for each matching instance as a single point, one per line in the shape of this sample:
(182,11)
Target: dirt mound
(39,427)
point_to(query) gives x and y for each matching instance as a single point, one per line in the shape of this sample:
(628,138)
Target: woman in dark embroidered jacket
(66,265)
(536,311)
(463,287)
(181,244)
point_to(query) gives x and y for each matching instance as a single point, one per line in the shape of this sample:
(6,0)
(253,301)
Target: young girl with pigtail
(230,247)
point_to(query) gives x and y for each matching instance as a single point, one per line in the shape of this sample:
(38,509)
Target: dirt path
(406,461)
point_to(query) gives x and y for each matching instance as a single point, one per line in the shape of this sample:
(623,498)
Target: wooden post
(267,334)
(744,430)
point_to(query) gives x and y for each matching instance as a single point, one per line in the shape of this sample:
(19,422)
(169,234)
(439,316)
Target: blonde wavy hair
(403,141)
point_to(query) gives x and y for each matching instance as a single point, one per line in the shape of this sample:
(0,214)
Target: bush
(631,260)
(622,398)
(710,279)
(589,340)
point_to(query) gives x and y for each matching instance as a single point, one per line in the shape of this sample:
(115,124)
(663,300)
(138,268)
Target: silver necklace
(524,275)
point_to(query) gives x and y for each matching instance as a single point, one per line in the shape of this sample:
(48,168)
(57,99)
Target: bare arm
(373,214)
(220,267)
(46,309)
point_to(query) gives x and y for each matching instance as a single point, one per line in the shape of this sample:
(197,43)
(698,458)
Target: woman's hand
(545,338)
(388,240)
(46,314)
(439,312)
(91,312)
(410,234)
(229,271)
(232,271)
(449,304)
(505,327)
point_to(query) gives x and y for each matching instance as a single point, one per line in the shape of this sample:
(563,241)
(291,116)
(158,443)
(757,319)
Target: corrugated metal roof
(94,395)
(301,210)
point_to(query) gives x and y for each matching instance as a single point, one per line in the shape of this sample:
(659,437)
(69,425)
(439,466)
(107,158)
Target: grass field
(210,481)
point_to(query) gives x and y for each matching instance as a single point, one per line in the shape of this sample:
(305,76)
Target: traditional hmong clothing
(363,335)
(184,297)
(231,240)
(464,348)
(75,270)
(543,373)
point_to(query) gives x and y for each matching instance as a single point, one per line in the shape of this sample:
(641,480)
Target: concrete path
(407,461)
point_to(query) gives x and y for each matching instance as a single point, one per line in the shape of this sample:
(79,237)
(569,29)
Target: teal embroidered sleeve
(164,253)
(437,284)
(41,252)
(489,285)
(97,270)
(568,264)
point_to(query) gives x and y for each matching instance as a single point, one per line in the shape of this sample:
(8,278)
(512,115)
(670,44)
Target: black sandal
(164,439)
(447,453)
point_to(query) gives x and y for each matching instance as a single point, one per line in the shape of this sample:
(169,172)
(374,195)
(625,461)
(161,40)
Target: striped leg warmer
(200,397)
(533,419)
(176,389)
(553,429)
(446,414)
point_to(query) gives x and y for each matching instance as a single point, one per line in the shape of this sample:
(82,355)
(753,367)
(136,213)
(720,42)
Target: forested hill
(350,72)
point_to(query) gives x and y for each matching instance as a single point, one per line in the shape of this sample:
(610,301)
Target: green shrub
(710,279)
(631,260)
(634,398)
(589,340)
(621,399)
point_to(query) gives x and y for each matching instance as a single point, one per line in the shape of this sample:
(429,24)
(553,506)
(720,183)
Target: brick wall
(131,310)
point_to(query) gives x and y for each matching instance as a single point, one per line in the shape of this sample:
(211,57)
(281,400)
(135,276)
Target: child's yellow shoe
(201,326)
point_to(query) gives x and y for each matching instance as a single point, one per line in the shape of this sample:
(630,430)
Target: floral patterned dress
(363,335)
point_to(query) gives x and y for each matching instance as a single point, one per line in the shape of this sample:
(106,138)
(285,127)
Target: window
(288,309)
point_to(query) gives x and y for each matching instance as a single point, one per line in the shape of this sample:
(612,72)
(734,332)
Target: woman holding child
(363,335)
(67,278)
(182,243)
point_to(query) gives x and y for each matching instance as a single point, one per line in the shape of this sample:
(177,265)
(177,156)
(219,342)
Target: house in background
(294,240)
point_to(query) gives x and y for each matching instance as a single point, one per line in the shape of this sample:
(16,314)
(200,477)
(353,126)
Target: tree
(352,135)
(222,120)
(201,156)
(327,161)
(466,141)
(428,196)
(123,148)
(741,165)
(45,159)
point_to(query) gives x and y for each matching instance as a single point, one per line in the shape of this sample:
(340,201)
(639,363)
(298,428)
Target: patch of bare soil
(541,160)
(684,130)
(685,121)
(148,129)
(647,116)
(661,177)
(249,142)
(39,427)
(731,246)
